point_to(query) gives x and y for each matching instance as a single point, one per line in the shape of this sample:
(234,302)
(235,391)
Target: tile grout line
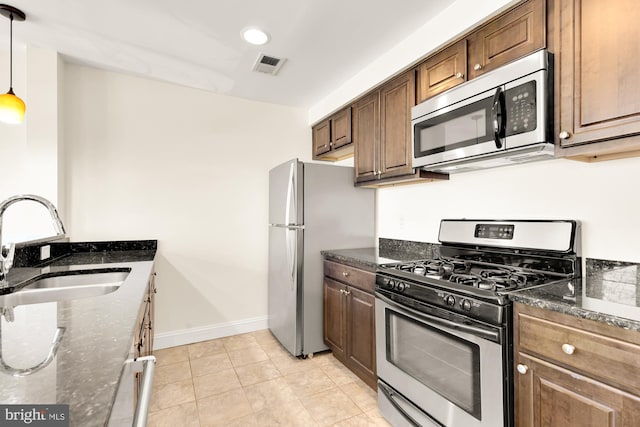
(326,367)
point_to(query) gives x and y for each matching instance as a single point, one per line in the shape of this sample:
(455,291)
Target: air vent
(268,64)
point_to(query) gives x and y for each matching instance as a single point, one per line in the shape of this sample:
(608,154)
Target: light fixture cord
(11,52)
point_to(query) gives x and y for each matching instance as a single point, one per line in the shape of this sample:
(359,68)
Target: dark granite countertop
(389,250)
(609,293)
(97,336)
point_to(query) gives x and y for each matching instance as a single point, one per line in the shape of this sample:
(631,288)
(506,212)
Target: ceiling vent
(268,64)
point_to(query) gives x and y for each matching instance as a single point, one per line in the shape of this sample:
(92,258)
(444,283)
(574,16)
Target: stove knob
(465,304)
(400,286)
(391,284)
(450,300)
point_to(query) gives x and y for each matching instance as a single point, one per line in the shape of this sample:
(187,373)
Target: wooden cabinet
(349,318)
(574,372)
(442,71)
(143,342)
(596,71)
(332,137)
(515,34)
(382,131)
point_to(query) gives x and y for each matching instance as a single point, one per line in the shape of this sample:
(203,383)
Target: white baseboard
(204,333)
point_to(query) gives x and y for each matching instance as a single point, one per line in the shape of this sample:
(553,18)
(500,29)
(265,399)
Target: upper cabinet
(511,36)
(382,131)
(442,71)
(514,34)
(382,140)
(597,78)
(332,137)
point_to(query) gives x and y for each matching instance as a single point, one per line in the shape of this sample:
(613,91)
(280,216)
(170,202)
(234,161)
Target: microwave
(500,118)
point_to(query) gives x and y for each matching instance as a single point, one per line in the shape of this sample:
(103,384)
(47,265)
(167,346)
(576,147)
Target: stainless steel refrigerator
(311,207)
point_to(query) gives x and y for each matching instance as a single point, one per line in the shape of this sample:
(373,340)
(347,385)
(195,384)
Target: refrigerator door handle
(291,237)
(291,195)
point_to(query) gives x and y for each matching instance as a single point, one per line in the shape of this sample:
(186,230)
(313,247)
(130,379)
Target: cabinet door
(152,313)
(322,138)
(597,70)
(341,128)
(396,99)
(334,318)
(548,395)
(509,37)
(366,128)
(361,342)
(444,70)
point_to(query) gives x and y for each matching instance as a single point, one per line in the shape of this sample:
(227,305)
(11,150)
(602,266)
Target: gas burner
(472,280)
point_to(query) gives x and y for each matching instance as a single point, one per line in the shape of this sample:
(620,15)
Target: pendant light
(11,107)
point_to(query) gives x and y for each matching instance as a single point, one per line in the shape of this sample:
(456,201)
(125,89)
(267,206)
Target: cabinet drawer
(355,277)
(612,360)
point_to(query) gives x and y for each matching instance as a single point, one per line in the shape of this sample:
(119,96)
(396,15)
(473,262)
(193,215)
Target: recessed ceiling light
(255,36)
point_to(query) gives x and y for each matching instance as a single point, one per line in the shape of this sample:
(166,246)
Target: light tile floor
(251,380)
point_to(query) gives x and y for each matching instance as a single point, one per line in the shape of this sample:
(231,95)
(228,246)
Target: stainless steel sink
(66,286)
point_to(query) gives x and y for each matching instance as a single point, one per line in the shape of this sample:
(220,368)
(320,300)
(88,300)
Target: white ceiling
(197,43)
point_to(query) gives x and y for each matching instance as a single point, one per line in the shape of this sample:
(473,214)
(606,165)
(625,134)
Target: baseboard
(204,333)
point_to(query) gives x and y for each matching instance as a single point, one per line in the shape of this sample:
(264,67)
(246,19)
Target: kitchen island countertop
(97,332)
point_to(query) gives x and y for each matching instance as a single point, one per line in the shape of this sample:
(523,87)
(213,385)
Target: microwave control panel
(520,103)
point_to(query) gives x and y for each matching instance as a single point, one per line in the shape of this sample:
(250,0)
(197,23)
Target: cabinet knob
(459,75)
(477,67)
(324,145)
(568,348)
(345,273)
(564,135)
(331,144)
(347,293)
(379,172)
(522,368)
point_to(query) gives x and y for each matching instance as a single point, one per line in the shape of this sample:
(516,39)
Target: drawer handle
(568,348)
(345,273)
(522,368)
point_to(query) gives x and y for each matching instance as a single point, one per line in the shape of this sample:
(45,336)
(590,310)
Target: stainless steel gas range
(444,325)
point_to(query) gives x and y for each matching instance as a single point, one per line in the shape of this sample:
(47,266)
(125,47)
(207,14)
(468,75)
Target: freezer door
(285,193)
(285,296)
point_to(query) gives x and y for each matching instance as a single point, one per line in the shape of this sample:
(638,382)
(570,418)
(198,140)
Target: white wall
(603,196)
(151,160)
(29,151)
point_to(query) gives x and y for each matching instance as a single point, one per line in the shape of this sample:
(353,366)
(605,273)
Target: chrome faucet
(7,251)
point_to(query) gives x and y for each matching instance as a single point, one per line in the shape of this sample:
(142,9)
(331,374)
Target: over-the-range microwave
(500,118)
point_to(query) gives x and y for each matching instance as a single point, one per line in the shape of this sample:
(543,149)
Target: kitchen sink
(66,286)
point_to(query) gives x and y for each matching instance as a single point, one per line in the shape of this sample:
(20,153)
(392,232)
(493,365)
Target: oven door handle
(389,394)
(492,335)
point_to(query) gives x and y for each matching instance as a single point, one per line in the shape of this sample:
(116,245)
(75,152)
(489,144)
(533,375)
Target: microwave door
(527,116)
(464,129)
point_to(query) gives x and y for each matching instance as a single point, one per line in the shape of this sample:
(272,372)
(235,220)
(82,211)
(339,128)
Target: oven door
(449,371)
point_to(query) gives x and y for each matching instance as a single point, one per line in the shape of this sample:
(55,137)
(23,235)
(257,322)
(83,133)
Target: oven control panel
(461,304)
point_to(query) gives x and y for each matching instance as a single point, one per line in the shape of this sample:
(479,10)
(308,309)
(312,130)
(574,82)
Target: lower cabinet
(349,318)
(143,345)
(574,372)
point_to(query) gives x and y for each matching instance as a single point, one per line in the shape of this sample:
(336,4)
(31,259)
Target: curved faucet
(7,252)
(17,372)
